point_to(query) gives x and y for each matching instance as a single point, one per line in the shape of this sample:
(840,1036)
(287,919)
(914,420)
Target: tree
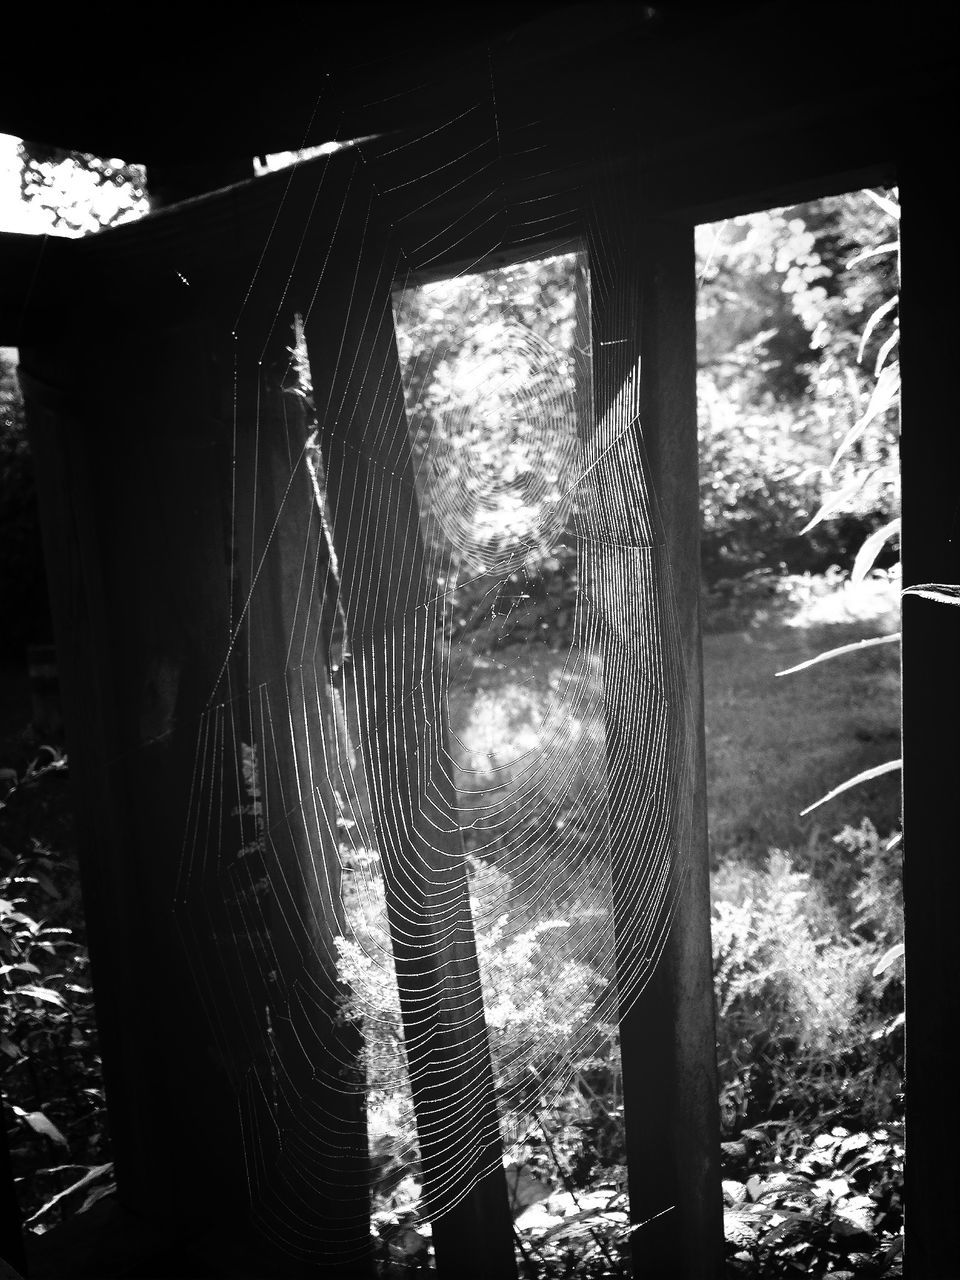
(787,358)
(76,193)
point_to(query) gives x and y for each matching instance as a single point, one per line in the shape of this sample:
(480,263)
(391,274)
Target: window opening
(798,388)
(47,190)
(50,1074)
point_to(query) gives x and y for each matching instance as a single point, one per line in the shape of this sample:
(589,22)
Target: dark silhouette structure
(476,137)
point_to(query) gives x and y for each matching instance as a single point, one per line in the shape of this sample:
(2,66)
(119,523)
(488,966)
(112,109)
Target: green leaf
(866,776)
(8,1047)
(40,1123)
(835,502)
(874,320)
(887,959)
(942,592)
(890,1027)
(783,1228)
(885,350)
(90,1176)
(883,396)
(855,647)
(891,246)
(885,203)
(871,549)
(43,993)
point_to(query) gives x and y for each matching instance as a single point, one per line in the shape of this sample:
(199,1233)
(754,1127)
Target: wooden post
(169,184)
(134,464)
(391,619)
(11,1230)
(644,379)
(129,474)
(930,462)
(316,1181)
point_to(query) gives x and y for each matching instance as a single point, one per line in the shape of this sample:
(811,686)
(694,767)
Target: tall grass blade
(884,394)
(866,776)
(872,323)
(942,592)
(885,203)
(864,254)
(855,647)
(871,549)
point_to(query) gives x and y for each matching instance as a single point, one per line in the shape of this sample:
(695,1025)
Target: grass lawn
(775,746)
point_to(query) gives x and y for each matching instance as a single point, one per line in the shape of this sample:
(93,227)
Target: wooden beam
(134,547)
(478,189)
(36,272)
(169,184)
(11,1230)
(644,517)
(392,616)
(930,462)
(313,1192)
(134,480)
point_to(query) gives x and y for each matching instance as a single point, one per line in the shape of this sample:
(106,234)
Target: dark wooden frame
(748,158)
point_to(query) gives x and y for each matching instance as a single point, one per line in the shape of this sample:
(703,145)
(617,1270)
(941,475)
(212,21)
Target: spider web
(436,859)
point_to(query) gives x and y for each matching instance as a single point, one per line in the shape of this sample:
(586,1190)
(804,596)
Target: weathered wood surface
(930,461)
(129,470)
(314,1194)
(644,394)
(335,74)
(392,619)
(11,1237)
(135,491)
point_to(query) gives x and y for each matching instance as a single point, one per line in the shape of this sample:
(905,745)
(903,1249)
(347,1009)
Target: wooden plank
(169,184)
(644,379)
(133,481)
(11,1231)
(391,621)
(35,272)
(315,1196)
(472,182)
(930,463)
(344,76)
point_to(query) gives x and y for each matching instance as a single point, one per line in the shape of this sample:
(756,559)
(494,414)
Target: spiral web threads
(382,807)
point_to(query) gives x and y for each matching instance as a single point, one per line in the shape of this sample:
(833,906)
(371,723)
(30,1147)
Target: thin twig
(568,1185)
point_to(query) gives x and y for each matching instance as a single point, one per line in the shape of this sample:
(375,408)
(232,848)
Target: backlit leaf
(42,993)
(871,549)
(855,647)
(887,959)
(883,396)
(41,1124)
(866,776)
(872,323)
(942,592)
(884,202)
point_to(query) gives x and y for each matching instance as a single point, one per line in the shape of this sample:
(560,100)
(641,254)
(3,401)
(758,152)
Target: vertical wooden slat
(391,622)
(11,1234)
(644,351)
(133,473)
(316,1187)
(930,463)
(134,546)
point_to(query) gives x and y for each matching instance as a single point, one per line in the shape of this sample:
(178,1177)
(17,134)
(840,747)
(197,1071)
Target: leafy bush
(804,1010)
(761,480)
(26,612)
(537,995)
(796,360)
(826,1204)
(49,1060)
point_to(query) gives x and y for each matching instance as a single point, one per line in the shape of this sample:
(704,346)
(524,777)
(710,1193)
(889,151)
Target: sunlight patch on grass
(828,601)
